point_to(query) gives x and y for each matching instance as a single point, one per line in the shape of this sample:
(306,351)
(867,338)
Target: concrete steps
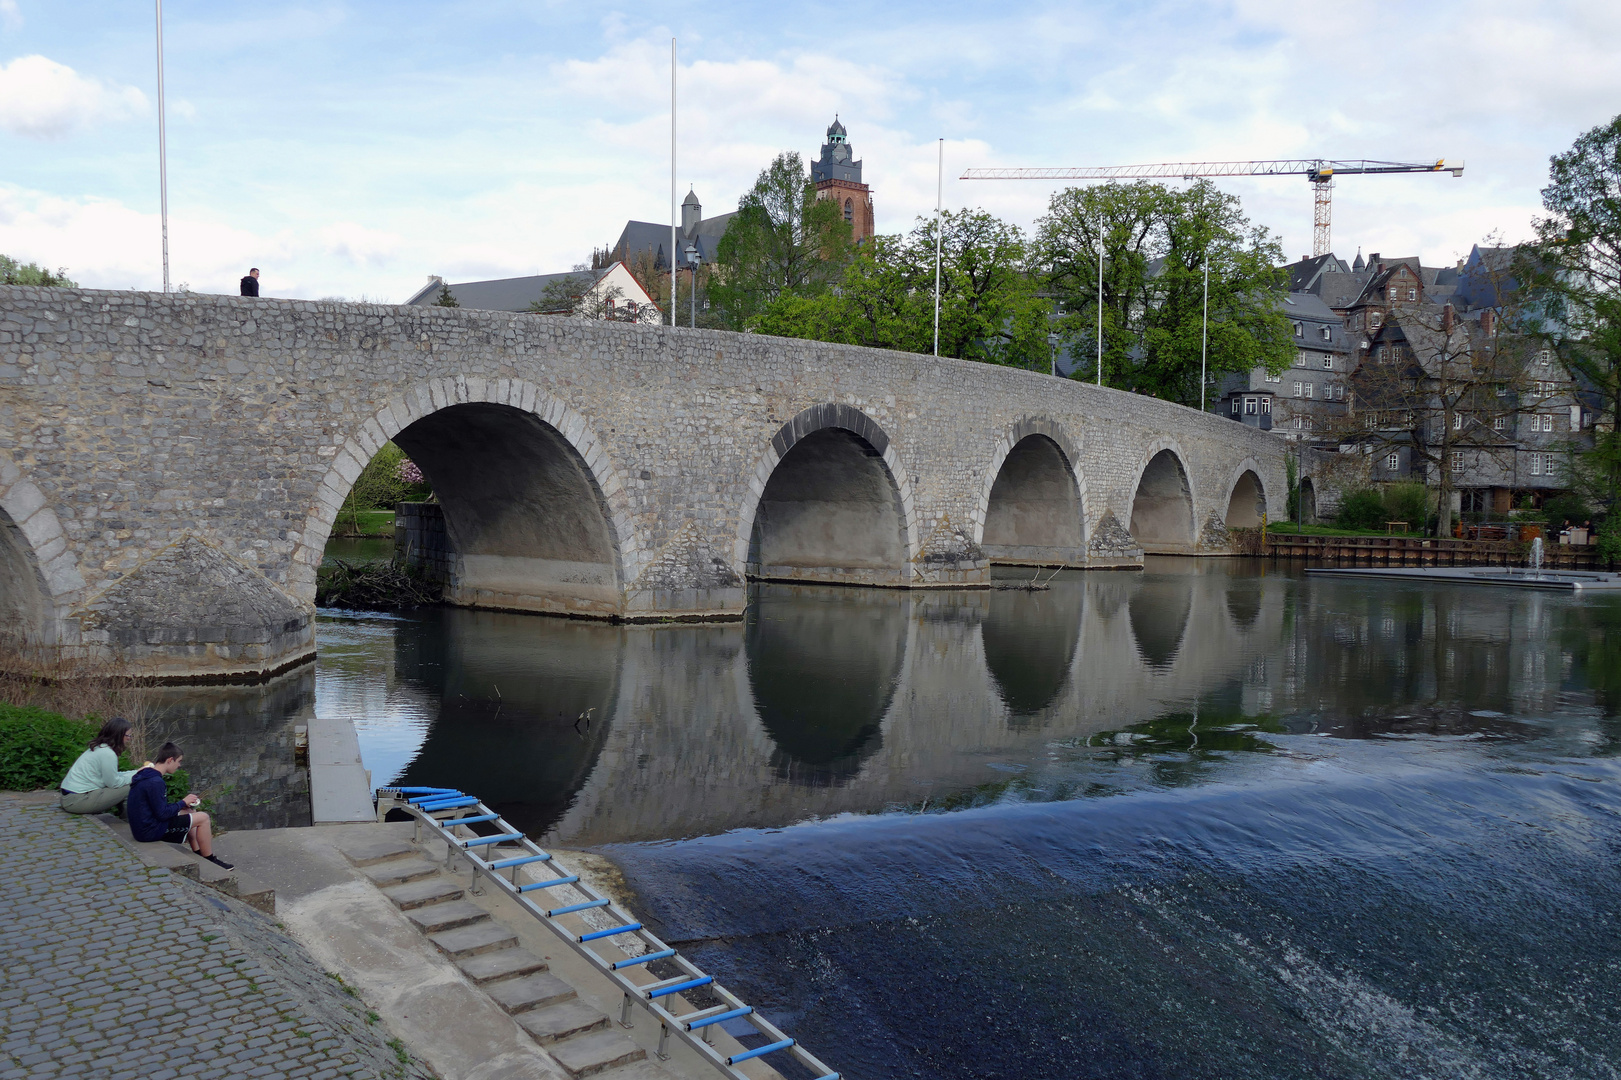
(415,894)
(181,860)
(472,940)
(506,964)
(446,915)
(578,1036)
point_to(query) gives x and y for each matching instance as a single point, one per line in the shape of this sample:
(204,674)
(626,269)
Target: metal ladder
(451,815)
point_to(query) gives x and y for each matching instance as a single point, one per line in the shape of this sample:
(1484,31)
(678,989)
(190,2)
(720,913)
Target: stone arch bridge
(172,465)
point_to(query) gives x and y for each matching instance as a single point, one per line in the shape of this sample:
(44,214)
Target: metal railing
(451,814)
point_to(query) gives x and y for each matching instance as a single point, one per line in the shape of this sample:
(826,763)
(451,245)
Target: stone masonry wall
(222,433)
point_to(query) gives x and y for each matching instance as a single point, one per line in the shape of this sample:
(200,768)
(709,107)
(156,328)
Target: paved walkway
(109,968)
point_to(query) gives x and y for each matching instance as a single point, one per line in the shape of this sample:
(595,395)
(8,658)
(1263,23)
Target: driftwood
(373,586)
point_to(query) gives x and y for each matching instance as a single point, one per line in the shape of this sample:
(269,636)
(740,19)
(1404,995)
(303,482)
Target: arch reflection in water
(524,706)
(823,675)
(1029,640)
(1159,619)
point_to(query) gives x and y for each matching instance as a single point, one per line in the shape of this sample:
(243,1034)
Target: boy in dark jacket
(152,817)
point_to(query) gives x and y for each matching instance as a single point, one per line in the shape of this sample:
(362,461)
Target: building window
(1298,330)
(1250,406)
(1412,294)
(1547,422)
(1326,332)
(1300,359)
(1457,461)
(1545,357)
(849,211)
(1536,464)
(1266,406)
(1499,423)
(1393,462)
(1297,389)
(1309,389)
(1275,378)
(1328,361)
(1235,406)
(1375,318)
(1457,421)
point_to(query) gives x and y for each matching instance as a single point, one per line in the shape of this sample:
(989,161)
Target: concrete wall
(176,462)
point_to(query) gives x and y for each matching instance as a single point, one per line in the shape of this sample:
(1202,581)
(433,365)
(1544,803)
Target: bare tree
(1447,389)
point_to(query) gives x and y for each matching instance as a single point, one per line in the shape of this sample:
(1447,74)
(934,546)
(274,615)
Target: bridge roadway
(172,465)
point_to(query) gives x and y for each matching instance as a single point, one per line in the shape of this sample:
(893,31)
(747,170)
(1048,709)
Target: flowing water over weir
(1206,821)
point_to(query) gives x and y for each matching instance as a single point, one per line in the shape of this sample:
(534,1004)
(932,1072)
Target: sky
(355,148)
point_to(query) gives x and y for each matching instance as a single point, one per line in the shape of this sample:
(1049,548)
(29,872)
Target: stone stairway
(180,860)
(578,1036)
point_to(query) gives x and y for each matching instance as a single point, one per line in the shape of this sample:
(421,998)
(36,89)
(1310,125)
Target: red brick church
(837,176)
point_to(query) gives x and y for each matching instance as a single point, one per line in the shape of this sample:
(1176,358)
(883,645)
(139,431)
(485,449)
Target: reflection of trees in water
(823,675)
(1029,640)
(1159,618)
(1591,635)
(512,690)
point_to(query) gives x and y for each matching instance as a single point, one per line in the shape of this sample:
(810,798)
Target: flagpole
(939,199)
(673,219)
(163,157)
(1204,335)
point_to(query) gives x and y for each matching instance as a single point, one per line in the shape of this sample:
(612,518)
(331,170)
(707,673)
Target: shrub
(1409,502)
(1566,506)
(37,747)
(1361,509)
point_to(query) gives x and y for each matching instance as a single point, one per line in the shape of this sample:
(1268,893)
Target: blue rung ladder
(450,815)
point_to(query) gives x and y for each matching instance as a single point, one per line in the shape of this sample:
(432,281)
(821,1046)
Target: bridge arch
(39,578)
(1246,498)
(1032,502)
(1162,505)
(539,518)
(829,500)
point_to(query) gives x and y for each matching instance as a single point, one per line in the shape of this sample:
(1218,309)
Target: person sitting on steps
(95,784)
(152,817)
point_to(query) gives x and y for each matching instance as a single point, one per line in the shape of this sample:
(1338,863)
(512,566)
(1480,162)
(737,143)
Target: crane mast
(1319,171)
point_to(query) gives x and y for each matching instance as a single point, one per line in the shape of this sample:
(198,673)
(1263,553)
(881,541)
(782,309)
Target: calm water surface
(1211,820)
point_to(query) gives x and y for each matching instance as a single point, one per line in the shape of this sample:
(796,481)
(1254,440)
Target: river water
(1209,820)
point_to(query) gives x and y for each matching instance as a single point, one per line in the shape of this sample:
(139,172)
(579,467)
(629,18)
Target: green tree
(1572,274)
(13,272)
(1155,242)
(445,298)
(782,241)
(989,307)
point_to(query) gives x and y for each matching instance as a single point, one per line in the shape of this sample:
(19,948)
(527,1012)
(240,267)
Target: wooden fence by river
(1423,551)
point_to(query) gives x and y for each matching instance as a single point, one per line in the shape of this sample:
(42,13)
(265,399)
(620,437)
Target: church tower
(837,176)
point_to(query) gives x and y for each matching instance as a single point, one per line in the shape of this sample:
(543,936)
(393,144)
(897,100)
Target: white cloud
(42,99)
(10,16)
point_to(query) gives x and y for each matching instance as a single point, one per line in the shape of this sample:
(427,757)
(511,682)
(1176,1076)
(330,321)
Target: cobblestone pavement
(109,968)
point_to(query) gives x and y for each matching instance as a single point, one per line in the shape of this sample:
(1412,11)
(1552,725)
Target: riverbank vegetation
(388,478)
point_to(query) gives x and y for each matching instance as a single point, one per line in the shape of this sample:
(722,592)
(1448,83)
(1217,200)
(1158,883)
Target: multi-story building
(837,176)
(1299,400)
(1408,367)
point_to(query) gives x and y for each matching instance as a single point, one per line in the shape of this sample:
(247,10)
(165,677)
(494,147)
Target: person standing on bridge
(250,284)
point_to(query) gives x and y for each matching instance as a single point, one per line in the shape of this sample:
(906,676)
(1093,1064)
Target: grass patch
(362,523)
(1291,529)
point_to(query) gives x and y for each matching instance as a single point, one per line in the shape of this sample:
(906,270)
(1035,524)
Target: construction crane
(1320,172)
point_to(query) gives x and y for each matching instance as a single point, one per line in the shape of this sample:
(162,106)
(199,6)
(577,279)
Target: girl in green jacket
(95,784)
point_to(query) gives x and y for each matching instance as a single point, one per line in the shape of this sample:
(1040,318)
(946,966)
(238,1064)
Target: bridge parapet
(171,466)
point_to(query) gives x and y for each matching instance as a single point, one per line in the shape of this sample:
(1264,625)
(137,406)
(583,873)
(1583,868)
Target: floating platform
(1563,580)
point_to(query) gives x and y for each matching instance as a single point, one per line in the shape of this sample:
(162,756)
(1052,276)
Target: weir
(172,465)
